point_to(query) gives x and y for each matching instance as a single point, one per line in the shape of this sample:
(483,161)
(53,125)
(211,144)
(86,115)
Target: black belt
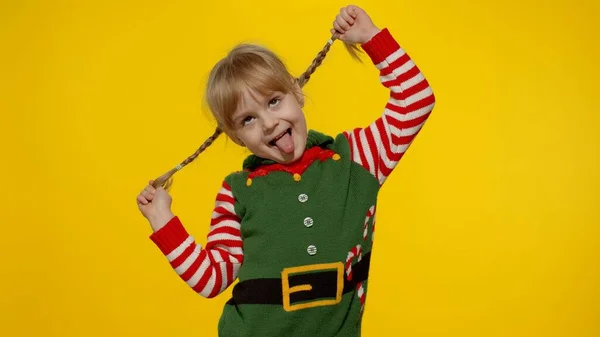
(317,285)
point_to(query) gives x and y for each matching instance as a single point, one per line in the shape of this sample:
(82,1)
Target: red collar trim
(298,167)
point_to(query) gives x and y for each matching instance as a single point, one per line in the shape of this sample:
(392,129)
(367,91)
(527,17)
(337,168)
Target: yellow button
(297,177)
(248,182)
(336,157)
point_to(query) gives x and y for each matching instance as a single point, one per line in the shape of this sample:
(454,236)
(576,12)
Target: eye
(247,120)
(274,102)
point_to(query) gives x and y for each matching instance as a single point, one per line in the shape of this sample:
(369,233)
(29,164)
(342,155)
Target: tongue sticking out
(285,143)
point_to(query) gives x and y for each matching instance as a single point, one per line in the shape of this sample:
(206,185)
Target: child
(296,225)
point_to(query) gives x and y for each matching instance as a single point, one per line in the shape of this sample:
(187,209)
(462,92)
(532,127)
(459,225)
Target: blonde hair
(246,66)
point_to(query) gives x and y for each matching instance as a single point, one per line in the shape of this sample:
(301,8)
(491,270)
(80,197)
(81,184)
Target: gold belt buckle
(286,290)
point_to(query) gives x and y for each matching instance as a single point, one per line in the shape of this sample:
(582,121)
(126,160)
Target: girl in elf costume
(295,226)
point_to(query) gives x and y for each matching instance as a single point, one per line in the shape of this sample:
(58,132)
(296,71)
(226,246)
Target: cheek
(300,118)
(249,137)
(295,114)
(240,138)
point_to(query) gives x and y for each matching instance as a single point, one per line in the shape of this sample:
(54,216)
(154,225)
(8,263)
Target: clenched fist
(155,205)
(353,26)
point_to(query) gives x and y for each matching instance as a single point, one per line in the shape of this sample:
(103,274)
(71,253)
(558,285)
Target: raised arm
(380,146)
(209,270)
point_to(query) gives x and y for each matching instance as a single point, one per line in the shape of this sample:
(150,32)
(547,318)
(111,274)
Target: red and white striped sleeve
(209,270)
(380,146)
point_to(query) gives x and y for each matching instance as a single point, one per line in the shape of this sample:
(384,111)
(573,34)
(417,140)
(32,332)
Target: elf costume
(298,237)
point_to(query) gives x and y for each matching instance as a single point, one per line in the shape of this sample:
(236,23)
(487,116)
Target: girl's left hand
(353,25)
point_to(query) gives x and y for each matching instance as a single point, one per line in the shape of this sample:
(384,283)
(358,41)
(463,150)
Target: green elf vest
(301,224)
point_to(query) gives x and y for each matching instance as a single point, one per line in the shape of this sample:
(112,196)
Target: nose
(270,122)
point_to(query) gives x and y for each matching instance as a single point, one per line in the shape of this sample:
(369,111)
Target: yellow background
(489,227)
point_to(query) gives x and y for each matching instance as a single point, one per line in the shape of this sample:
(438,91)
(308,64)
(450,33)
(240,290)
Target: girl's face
(272,127)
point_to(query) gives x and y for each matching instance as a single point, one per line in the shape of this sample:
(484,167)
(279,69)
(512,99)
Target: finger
(337,28)
(345,14)
(150,189)
(352,11)
(342,22)
(141,200)
(149,196)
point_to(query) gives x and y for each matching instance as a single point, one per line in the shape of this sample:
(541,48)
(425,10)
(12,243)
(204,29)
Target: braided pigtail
(166,179)
(352,49)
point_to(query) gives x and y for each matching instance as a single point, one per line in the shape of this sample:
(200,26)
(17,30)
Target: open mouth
(288,131)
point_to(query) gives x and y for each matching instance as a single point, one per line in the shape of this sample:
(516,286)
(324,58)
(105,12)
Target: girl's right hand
(155,205)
